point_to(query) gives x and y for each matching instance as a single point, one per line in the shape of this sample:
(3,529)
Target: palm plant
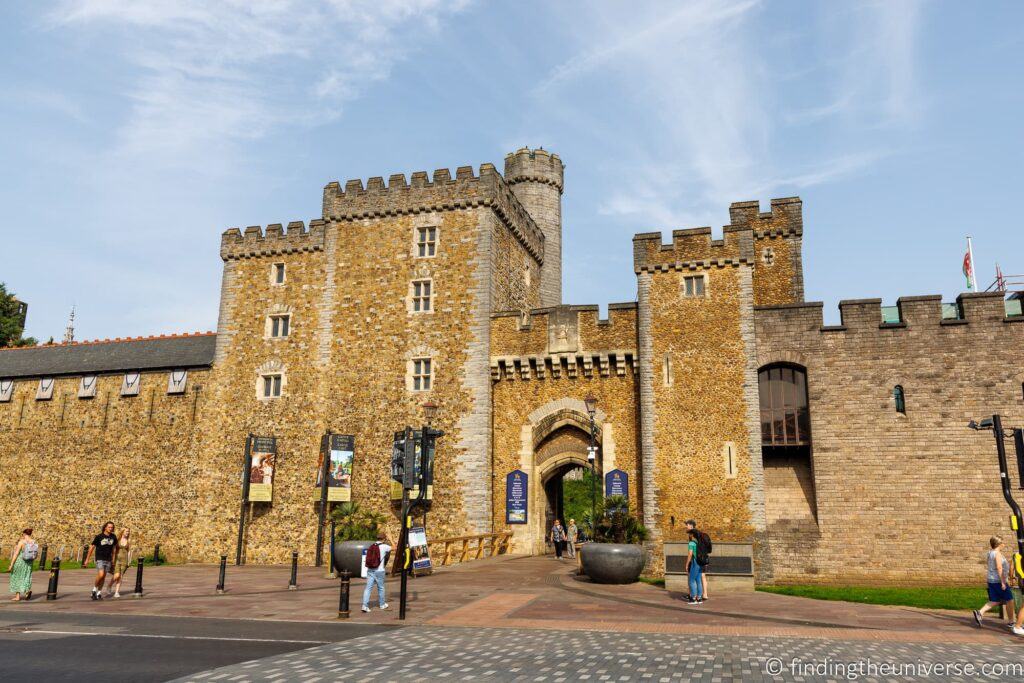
(615,523)
(353,523)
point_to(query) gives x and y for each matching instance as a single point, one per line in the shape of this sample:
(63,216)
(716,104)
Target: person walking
(376,567)
(998,579)
(572,535)
(26,550)
(104,548)
(122,564)
(703,559)
(558,538)
(693,569)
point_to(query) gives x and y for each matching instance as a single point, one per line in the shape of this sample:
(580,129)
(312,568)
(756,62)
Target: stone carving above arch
(280,309)
(773,357)
(563,412)
(270,366)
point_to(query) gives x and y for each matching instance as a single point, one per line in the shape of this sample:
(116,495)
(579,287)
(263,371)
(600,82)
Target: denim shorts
(104,566)
(996,593)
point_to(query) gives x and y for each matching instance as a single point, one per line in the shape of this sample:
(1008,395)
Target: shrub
(615,523)
(353,523)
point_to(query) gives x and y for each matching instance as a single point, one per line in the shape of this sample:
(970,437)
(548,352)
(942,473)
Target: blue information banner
(616,483)
(515,497)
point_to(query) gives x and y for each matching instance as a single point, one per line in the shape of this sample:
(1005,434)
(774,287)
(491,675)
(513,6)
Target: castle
(839,452)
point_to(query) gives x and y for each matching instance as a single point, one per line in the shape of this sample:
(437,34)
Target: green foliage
(354,523)
(938,597)
(576,497)
(10,322)
(615,523)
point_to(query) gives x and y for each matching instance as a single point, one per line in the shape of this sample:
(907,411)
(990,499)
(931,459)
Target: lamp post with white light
(591,404)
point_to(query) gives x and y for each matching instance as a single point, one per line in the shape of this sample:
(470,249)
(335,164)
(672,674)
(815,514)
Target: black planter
(349,555)
(612,562)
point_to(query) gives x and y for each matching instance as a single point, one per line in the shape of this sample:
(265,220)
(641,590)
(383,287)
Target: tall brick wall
(899,498)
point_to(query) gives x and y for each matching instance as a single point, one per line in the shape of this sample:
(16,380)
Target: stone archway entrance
(554,443)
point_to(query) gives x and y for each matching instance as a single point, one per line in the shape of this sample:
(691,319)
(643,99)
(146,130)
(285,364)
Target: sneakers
(1017,630)
(365,608)
(384,606)
(977,618)
(117,594)
(94,594)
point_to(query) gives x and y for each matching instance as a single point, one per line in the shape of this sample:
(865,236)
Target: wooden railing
(461,547)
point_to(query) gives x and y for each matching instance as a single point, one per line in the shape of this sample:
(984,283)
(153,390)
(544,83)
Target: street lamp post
(591,404)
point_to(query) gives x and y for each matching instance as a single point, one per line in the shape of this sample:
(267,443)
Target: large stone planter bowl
(349,555)
(612,562)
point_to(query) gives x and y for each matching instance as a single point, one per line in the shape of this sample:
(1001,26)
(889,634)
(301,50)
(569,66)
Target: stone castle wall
(899,498)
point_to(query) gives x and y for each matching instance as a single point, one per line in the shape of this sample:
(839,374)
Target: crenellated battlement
(256,241)
(422,193)
(910,313)
(784,218)
(692,249)
(534,165)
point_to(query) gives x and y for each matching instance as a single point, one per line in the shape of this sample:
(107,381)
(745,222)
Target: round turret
(535,176)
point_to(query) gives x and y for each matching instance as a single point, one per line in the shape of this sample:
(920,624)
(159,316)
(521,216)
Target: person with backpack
(25,553)
(703,555)
(693,569)
(376,568)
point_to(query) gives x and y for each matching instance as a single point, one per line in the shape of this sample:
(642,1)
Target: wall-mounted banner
(515,497)
(616,483)
(341,451)
(420,551)
(261,473)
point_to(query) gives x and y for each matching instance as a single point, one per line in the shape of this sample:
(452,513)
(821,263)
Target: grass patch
(64,564)
(654,582)
(943,597)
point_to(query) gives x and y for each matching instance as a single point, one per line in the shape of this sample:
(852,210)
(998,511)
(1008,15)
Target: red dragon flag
(972,281)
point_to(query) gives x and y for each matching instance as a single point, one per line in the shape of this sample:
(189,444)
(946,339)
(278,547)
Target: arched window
(785,419)
(900,398)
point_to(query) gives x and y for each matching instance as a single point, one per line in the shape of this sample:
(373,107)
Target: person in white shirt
(376,567)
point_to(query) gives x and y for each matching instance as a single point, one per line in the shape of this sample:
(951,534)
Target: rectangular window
(421,374)
(421,295)
(693,285)
(272,386)
(277,274)
(279,325)
(426,241)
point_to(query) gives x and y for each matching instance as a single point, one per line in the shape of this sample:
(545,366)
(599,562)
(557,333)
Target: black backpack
(704,548)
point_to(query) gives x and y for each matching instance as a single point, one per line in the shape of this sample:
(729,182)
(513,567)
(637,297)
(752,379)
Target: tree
(11,325)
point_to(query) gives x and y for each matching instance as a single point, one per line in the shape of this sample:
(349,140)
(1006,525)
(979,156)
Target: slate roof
(165,352)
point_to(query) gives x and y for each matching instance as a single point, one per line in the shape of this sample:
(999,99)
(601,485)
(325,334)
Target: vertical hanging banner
(516,497)
(616,483)
(261,472)
(420,551)
(341,451)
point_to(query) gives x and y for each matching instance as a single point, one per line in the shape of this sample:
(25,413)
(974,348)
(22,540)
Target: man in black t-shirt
(104,547)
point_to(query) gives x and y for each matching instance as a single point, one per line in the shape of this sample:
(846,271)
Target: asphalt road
(110,648)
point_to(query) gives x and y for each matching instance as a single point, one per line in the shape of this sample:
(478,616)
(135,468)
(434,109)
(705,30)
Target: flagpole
(974,276)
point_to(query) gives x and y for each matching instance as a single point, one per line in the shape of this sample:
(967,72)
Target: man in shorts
(104,548)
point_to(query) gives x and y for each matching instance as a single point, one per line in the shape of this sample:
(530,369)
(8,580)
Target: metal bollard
(85,554)
(223,571)
(51,588)
(138,579)
(293,584)
(343,597)
(330,562)
(42,558)
(156,554)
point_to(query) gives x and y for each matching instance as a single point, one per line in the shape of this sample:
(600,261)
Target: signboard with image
(516,497)
(341,452)
(261,472)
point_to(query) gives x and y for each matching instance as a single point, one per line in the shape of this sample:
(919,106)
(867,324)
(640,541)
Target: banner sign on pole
(420,551)
(261,472)
(616,483)
(516,497)
(341,451)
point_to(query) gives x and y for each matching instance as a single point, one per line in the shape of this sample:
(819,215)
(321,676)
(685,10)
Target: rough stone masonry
(720,392)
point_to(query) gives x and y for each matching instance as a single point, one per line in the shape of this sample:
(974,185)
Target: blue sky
(135,133)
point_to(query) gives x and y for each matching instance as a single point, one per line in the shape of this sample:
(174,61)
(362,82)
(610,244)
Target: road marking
(153,635)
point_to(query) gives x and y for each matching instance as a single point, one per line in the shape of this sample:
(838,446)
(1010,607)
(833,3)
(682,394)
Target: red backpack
(373,556)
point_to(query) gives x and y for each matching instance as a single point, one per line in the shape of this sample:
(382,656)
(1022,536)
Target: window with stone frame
(426,241)
(271,385)
(899,397)
(785,418)
(280,325)
(422,374)
(694,286)
(277,274)
(422,296)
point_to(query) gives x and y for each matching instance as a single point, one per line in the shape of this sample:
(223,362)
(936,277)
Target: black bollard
(138,579)
(85,554)
(294,583)
(330,563)
(51,589)
(42,558)
(156,554)
(223,571)
(343,598)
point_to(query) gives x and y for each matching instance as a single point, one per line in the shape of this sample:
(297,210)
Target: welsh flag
(968,268)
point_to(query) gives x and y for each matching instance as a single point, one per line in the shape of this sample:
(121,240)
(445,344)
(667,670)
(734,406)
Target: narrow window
(279,325)
(729,458)
(900,398)
(667,370)
(272,385)
(426,241)
(277,273)
(421,374)
(421,296)
(693,285)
